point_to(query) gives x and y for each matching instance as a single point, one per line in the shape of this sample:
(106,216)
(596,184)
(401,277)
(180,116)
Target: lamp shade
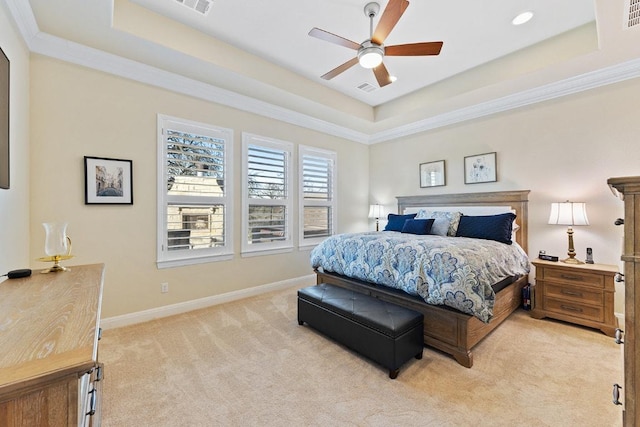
(375,211)
(568,213)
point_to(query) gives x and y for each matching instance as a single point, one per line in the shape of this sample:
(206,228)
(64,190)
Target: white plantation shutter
(194,192)
(267,194)
(316,177)
(267,172)
(317,170)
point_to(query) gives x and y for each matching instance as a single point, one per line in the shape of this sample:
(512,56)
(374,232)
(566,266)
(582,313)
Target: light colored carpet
(249,363)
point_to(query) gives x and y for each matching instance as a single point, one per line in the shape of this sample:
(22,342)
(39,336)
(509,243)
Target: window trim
(280,246)
(168,259)
(333,203)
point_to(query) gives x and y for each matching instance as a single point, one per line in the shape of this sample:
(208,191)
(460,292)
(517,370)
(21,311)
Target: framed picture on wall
(4,121)
(480,168)
(108,181)
(432,174)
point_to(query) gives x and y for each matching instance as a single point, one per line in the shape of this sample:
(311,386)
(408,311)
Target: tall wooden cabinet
(628,188)
(49,331)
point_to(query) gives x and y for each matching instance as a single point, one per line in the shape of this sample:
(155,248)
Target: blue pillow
(396,222)
(418,226)
(488,227)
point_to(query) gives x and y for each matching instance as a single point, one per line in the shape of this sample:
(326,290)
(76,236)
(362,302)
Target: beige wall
(14,203)
(78,112)
(564,149)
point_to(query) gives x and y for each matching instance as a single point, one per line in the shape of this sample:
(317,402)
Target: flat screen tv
(4,120)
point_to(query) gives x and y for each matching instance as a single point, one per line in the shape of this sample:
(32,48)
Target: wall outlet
(164,287)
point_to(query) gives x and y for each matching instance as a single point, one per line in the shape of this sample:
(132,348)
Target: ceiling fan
(371,51)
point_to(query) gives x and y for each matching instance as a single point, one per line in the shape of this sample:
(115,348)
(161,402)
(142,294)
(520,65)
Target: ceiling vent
(367,87)
(202,6)
(632,14)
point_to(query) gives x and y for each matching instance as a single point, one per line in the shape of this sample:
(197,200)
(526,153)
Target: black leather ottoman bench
(385,333)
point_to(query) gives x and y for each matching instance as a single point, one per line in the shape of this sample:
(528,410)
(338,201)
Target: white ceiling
(474,33)
(256,56)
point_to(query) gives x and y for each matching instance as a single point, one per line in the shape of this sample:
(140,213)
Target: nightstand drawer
(573,293)
(574,309)
(581,294)
(574,276)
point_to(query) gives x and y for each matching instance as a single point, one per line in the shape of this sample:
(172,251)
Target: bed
(445,328)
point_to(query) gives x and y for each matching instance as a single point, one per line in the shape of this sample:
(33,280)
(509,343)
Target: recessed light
(393,78)
(522,18)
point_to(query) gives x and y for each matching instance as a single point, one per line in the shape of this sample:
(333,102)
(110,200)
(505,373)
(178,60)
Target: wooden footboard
(446,329)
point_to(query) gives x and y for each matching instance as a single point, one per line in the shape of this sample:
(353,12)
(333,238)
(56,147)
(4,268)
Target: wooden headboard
(517,200)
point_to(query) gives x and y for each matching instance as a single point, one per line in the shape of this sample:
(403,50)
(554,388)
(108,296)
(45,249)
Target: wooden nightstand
(576,293)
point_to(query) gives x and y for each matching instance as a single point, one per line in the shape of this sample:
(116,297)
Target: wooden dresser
(628,188)
(49,331)
(576,293)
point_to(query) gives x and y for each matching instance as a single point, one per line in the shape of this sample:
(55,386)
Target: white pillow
(444,224)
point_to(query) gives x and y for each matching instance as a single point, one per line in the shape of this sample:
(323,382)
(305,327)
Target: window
(194,192)
(266,219)
(317,194)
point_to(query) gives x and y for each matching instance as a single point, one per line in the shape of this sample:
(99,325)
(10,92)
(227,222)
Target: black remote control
(16,274)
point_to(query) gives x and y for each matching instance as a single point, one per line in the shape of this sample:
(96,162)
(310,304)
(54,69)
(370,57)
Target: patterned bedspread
(454,271)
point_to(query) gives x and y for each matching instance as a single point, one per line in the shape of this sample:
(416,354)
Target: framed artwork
(4,121)
(432,174)
(108,181)
(480,168)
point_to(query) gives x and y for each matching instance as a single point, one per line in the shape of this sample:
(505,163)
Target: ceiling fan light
(522,18)
(370,57)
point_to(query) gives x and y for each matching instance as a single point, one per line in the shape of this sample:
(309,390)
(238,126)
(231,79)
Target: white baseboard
(183,307)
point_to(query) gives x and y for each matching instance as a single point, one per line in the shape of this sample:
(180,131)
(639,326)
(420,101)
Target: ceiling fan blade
(382,75)
(332,38)
(389,19)
(339,69)
(414,49)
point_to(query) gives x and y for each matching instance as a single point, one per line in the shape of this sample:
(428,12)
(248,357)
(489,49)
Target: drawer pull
(572,293)
(571,308)
(92,405)
(569,277)
(99,373)
(618,336)
(616,394)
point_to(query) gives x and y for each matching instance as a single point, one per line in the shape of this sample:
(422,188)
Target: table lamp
(375,211)
(570,214)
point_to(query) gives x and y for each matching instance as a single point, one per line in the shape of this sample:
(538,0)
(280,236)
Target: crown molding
(65,50)
(24,19)
(72,52)
(591,80)
(69,51)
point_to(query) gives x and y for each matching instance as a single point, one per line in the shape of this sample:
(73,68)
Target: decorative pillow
(489,227)
(418,226)
(396,222)
(445,224)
